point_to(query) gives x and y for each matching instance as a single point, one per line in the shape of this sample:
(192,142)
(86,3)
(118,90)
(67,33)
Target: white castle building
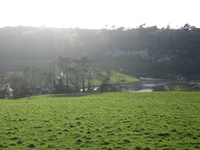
(116,53)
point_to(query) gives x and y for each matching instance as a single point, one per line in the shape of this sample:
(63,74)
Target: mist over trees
(68,75)
(76,57)
(173,49)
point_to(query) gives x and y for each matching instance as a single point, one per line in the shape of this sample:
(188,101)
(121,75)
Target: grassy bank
(157,120)
(183,87)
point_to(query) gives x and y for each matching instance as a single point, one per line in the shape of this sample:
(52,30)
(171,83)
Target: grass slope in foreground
(157,120)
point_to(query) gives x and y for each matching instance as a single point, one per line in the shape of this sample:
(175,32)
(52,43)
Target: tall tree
(65,64)
(84,68)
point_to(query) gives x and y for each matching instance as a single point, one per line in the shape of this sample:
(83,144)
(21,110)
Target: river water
(146,85)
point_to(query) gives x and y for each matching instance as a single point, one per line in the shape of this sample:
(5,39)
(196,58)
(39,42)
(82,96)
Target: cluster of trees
(67,75)
(22,82)
(180,46)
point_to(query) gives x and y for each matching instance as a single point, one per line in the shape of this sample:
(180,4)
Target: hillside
(168,50)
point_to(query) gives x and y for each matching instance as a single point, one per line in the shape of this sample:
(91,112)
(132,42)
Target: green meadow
(109,121)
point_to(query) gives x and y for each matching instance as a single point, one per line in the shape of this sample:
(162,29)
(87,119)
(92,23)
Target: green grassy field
(110,121)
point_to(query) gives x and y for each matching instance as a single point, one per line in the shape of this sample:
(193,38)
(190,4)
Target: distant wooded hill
(171,48)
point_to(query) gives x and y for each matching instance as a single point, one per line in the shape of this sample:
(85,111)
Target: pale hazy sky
(98,13)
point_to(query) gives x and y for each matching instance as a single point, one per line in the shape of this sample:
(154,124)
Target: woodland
(171,53)
(181,46)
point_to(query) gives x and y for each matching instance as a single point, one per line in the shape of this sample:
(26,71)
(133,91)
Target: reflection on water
(147,85)
(145,90)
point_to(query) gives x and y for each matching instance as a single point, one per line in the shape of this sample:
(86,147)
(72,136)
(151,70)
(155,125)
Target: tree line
(67,75)
(177,50)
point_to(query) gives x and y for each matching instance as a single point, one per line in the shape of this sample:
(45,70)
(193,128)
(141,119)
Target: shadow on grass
(71,95)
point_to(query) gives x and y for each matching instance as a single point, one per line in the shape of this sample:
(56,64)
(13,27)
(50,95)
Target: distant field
(110,121)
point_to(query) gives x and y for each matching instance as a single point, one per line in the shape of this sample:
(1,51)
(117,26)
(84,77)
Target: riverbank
(188,87)
(147,84)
